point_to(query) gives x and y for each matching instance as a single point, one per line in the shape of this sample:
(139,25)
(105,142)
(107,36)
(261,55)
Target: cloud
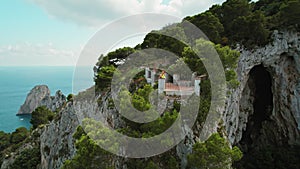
(97,12)
(36,55)
(94,14)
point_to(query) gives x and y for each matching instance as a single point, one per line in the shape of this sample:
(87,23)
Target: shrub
(41,115)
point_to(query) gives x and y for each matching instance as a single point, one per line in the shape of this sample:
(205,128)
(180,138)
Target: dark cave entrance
(264,144)
(258,99)
(260,84)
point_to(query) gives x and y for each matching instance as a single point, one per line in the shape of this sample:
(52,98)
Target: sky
(54,32)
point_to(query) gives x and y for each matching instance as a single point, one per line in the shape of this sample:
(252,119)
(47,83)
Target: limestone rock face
(40,96)
(56,141)
(34,98)
(280,118)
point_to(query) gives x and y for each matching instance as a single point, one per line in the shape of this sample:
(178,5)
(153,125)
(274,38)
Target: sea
(16,83)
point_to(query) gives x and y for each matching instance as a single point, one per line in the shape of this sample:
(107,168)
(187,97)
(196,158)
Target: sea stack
(40,96)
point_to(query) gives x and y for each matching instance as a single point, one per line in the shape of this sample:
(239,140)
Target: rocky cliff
(57,143)
(56,140)
(40,96)
(265,109)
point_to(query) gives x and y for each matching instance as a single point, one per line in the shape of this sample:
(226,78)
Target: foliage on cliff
(247,23)
(41,115)
(13,139)
(214,153)
(89,155)
(28,159)
(138,94)
(12,144)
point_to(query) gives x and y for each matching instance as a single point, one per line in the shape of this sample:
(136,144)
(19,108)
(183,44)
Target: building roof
(173,87)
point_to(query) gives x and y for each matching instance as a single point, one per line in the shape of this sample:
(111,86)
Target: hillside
(258,120)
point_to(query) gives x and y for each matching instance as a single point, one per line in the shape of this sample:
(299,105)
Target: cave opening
(259,104)
(263,141)
(260,84)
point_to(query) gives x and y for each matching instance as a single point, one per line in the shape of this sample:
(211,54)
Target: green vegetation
(104,77)
(89,155)
(19,135)
(247,23)
(41,115)
(9,142)
(28,159)
(4,140)
(138,82)
(16,137)
(106,67)
(138,94)
(70,98)
(214,153)
(140,100)
(163,161)
(234,23)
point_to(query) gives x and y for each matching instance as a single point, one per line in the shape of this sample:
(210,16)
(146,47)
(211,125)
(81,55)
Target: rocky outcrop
(40,96)
(56,141)
(278,112)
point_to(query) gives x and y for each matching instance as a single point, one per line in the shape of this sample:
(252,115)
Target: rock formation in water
(40,96)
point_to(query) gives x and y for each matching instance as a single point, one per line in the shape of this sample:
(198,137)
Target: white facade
(178,87)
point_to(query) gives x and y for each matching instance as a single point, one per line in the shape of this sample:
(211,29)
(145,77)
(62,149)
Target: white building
(177,87)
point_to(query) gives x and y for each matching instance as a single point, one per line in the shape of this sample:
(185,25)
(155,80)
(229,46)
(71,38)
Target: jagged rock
(87,104)
(34,98)
(184,148)
(40,96)
(56,141)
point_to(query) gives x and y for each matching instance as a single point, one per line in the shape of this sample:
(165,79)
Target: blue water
(16,82)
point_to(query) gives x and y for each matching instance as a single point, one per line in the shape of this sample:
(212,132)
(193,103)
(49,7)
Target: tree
(166,39)
(251,30)
(290,14)
(41,115)
(193,61)
(269,7)
(231,10)
(104,77)
(28,159)
(70,98)
(4,140)
(209,24)
(121,53)
(19,135)
(229,60)
(89,155)
(151,165)
(214,153)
